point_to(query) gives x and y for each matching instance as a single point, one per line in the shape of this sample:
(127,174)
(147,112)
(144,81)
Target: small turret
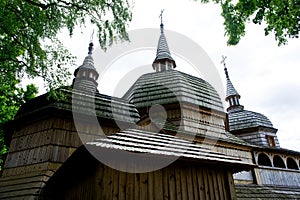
(86,75)
(232,96)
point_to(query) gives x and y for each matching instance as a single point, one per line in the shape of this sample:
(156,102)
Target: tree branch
(41,5)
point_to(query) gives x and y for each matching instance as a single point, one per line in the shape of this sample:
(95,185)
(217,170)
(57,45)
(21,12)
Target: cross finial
(161,21)
(91,44)
(161,16)
(223,60)
(92,36)
(224,63)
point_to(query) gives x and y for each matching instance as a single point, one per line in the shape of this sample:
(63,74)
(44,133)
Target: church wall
(52,139)
(200,121)
(244,155)
(259,137)
(177,181)
(278,177)
(49,140)
(40,147)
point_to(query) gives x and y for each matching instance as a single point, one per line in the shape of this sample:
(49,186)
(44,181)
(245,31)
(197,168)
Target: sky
(265,75)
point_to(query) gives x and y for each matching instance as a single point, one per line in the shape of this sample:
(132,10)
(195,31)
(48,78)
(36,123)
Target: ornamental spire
(163,60)
(86,75)
(232,96)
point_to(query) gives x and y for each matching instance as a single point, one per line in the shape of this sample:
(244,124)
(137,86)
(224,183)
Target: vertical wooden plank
(151,186)
(122,185)
(178,183)
(231,186)
(115,184)
(200,181)
(143,186)
(137,186)
(183,183)
(158,184)
(189,183)
(165,183)
(195,182)
(215,183)
(210,183)
(107,189)
(171,176)
(220,178)
(130,186)
(99,181)
(206,184)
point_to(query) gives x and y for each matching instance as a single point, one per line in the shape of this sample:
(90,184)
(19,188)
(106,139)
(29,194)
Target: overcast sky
(265,75)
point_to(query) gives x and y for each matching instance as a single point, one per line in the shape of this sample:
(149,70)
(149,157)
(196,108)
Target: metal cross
(223,60)
(161,14)
(92,36)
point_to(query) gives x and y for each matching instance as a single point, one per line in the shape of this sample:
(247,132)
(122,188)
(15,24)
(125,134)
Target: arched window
(291,163)
(264,160)
(278,162)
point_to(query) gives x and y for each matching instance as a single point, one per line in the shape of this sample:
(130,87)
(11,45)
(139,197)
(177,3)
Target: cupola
(86,75)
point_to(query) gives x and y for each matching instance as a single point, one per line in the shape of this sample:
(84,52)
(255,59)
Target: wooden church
(167,138)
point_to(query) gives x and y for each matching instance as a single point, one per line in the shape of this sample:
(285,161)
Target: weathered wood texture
(42,147)
(254,192)
(279,177)
(51,140)
(26,186)
(259,137)
(177,181)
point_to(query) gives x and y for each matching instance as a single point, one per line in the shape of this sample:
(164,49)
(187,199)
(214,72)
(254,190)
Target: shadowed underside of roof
(173,86)
(254,192)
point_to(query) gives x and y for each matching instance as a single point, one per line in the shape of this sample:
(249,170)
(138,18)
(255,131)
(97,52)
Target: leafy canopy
(29,46)
(281,17)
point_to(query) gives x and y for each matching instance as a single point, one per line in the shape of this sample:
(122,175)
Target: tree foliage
(29,46)
(281,17)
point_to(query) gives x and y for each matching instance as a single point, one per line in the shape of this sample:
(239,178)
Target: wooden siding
(26,186)
(177,181)
(259,137)
(279,177)
(36,145)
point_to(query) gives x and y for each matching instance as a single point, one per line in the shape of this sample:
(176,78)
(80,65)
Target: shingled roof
(140,141)
(254,192)
(75,101)
(244,119)
(173,86)
(230,90)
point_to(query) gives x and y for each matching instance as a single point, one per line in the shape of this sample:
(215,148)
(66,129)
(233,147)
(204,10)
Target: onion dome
(163,60)
(86,75)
